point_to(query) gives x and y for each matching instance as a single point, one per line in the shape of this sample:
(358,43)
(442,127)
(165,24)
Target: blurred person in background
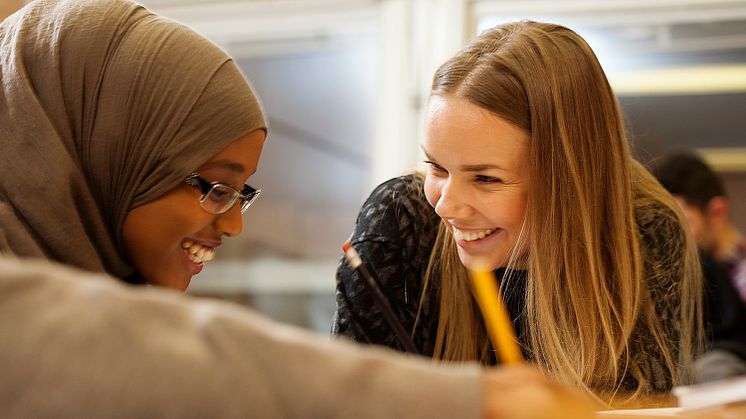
(703,198)
(701,194)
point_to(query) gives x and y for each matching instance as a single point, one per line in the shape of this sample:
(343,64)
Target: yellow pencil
(495,316)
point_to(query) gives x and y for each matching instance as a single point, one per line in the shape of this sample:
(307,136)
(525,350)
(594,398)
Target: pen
(356,263)
(495,316)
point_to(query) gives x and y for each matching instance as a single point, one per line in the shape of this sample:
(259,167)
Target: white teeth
(461,235)
(196,252)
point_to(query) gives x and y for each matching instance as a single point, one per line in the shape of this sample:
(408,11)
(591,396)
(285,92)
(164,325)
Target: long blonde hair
(588,282)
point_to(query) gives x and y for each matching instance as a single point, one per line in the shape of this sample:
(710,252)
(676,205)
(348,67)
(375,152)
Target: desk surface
(729,411)
(664,412)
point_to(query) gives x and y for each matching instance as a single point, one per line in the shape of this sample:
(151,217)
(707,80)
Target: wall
(712,124)
(8,7)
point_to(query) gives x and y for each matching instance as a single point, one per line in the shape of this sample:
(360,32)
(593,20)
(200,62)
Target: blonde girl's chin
(473,262)
(476,263)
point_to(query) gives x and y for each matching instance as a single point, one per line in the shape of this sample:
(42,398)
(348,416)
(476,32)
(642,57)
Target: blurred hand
(522,392)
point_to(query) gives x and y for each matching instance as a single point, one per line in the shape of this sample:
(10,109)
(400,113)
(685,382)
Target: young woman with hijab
(100,143)
(529,170)
(116,124)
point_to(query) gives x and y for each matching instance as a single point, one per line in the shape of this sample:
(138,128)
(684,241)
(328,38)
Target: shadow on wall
(314,169)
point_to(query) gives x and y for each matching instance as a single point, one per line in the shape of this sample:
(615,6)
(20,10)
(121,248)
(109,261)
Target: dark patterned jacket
(395,233)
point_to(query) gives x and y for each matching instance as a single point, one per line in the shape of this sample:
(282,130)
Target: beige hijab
(104,106)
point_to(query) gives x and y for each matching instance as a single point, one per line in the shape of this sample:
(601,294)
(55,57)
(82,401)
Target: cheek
(141,239)
(507,211)
(153,233)
(518,209)
(432,190)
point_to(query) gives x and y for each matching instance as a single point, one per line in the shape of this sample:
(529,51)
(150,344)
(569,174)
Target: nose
(453,201)
(230,222)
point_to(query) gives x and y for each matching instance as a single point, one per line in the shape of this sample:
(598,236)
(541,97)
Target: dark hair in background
(687,175)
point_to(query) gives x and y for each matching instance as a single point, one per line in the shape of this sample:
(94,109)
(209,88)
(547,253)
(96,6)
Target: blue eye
(487,179)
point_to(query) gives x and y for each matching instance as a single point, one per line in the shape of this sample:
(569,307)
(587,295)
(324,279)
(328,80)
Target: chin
(182,285)
(474,262)
(479,262)
(177,284)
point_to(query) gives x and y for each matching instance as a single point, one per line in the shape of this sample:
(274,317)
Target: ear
(718,208)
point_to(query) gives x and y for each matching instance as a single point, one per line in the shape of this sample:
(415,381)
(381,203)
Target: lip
(194,268)
(477,243)
(208,243)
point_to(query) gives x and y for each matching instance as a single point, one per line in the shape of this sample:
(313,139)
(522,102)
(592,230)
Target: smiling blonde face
(159,236)
(477,179)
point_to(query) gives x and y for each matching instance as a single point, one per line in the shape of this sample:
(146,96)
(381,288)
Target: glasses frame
(247,195)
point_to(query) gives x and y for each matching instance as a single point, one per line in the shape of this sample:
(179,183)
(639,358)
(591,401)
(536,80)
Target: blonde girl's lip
(474,235)
(472,230)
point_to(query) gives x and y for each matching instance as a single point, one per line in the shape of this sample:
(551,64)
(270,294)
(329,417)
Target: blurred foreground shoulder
(77,344)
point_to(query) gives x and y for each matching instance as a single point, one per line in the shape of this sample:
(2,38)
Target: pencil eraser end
(479,265)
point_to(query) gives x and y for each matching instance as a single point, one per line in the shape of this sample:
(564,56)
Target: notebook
(665,412)
(714,400)
(716,393)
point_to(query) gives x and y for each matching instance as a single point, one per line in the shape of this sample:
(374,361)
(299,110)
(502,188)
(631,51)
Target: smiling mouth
(473,236)
(196,252)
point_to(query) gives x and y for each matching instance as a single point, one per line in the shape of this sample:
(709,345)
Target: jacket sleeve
(75,344)
(725,312)
(394,234)
(663,248)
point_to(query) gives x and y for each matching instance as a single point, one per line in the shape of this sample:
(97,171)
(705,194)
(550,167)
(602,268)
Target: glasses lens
(219,199)
(249,199)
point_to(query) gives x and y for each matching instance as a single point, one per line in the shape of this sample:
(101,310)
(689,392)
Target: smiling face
(161,236)
(477,179)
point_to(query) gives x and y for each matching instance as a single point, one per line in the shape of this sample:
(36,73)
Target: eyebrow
(469,167)
(480,167)
(224,164)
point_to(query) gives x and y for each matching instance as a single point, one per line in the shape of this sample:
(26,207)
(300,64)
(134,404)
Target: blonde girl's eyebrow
(427,156)
(480,167)
(467,167)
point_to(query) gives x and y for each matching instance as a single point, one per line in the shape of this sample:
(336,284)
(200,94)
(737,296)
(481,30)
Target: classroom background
(344,83)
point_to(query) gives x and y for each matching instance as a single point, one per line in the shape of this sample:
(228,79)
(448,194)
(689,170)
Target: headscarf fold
(104,106)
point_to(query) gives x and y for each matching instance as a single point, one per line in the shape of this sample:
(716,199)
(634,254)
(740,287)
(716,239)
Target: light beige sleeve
(74,344)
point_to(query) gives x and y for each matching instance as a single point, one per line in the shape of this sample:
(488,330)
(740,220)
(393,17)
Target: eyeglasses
(218,198)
